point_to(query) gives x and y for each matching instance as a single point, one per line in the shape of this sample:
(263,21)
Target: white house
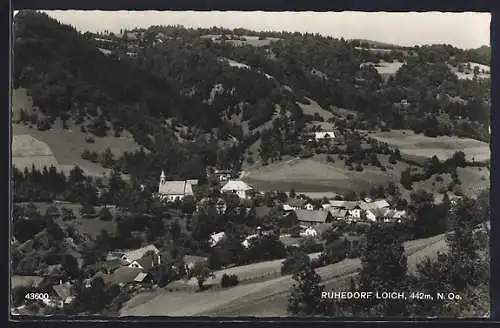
(174,190)
(324,135)
(309,207)
(134,255)
(309,232)
(237,187)
(215,238)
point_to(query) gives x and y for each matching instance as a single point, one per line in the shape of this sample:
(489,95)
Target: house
(146,262)
(374,205)
(192,182)
(309,232)
(309,206)
(223,175)
(324,135)
(124,276)
(310,217)
(321,228)
(173,190)
(134,255)
(343,204)
(338,214)
(248,240)
(65,294)
(237,187)
(294,204)
(215,238)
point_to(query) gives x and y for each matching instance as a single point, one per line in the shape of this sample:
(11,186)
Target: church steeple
(162,177)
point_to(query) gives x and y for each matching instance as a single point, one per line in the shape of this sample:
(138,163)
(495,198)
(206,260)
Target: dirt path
(263,298)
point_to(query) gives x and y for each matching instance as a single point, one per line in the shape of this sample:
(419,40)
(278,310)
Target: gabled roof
(147,262)
(236,185)
(338,213)
(296,202)
(344,204)
(63,290)
(124,275)
(324,134)
(175,188)
(321,228)
(192,182)
(140,252)
(311,216)
(140,277)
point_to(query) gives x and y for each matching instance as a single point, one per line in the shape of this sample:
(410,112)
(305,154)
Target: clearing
(59,147)
(418,146)
(316,175)
(313,108)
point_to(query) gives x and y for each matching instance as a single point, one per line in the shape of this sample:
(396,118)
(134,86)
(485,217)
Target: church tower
(162,178)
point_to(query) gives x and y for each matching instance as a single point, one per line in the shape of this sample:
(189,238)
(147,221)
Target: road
(267,298)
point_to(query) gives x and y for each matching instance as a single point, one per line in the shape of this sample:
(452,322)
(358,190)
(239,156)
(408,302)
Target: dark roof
(112,264)
(147,261)
(322,227)
(311,216)
(124,275)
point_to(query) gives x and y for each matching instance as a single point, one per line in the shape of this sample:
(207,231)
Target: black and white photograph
(250,164)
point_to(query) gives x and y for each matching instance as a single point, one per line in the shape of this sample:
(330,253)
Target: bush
(330,159)
(228,280)
(88,211)
(105,214)
(89,140)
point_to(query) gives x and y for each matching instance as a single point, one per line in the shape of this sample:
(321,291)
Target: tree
(297,261)
(305,299)
(384,268)
(202,272)
(105,214)
(70,266)
(87,210)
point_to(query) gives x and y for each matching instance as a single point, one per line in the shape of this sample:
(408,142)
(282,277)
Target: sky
(462,30)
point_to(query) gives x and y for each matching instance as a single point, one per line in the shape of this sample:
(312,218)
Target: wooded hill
(185,80)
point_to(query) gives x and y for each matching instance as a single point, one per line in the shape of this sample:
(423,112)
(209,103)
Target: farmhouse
(223,175)
(173,190)
(343,204)
(65,293)
(294,204)
(215,238)
(237,187)
(324,135)
(308,217)
(338,214)
(134,255)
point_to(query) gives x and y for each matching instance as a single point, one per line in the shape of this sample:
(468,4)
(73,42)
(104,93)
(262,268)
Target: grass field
(419,146)
(316,175)
(59,147)
(313,108)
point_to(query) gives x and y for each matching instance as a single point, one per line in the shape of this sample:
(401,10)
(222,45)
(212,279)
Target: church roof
(175,188)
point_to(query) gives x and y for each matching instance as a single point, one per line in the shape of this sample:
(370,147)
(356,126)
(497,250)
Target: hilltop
(213,97)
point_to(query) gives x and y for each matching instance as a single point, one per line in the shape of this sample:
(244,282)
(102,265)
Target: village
(308,221)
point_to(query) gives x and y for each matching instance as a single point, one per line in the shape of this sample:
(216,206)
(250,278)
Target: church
(171,191)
